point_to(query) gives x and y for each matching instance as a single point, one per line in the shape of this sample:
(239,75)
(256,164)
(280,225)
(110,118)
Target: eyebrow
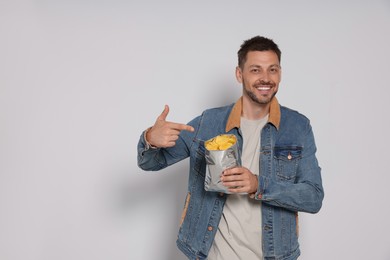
(258,66)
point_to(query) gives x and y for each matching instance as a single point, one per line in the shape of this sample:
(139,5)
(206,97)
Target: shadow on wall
(166,190)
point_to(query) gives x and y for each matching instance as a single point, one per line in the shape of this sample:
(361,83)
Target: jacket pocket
(287,159)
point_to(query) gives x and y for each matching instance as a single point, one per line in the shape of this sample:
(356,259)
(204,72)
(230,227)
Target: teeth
(264,88)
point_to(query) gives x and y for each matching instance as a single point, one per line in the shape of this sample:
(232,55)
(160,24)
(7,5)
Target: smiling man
(278,175)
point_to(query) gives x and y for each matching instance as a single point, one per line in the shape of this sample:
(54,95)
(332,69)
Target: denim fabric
(289,181)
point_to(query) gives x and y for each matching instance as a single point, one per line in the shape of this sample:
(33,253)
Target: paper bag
(221,153)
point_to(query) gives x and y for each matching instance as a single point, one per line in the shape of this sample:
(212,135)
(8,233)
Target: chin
(265,100)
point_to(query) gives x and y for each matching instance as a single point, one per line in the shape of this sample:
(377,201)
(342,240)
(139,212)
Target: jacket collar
(235,115)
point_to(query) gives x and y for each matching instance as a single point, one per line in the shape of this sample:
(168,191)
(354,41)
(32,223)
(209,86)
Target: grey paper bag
(221,153)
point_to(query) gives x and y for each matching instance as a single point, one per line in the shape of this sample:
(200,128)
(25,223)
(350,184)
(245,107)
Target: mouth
(264,88)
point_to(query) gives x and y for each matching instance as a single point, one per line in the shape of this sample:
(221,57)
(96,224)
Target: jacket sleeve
(306,192)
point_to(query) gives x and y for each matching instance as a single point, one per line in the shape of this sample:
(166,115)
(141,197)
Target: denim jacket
(289,180)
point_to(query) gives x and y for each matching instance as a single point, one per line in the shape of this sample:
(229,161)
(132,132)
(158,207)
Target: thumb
(164,113)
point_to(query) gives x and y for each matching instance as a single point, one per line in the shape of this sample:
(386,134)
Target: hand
(163,133)
(239,180)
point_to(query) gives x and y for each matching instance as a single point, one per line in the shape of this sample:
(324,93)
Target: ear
(280,74)
(238,74)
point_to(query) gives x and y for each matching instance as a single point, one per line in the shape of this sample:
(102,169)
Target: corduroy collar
(235,115)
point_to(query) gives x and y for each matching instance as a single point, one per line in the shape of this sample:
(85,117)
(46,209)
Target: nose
(265,77)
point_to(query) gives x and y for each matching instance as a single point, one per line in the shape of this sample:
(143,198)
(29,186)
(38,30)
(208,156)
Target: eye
(255,71)
(274,70)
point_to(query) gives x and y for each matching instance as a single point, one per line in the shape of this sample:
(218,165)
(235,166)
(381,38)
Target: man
(279,176)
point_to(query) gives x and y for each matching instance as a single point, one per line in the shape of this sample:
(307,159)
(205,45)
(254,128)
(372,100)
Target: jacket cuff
(263,181)
(147,144)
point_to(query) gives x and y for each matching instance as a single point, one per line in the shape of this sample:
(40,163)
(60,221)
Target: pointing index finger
(182,127)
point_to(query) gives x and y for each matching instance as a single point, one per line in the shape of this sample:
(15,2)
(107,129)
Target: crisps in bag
(221,153)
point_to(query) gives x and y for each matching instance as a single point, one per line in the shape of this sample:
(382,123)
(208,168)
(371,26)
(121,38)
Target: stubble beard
(255,99)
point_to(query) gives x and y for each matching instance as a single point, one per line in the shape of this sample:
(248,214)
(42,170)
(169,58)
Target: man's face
(260,76)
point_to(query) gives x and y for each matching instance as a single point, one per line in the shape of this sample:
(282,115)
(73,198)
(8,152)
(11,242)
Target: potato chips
(220,142)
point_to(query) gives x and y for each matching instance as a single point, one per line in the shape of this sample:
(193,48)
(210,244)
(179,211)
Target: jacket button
(266,227)
(221,194)
(210,228)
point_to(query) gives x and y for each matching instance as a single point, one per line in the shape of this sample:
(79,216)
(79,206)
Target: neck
(252,110)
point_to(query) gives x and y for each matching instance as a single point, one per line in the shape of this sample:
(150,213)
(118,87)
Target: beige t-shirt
(239,231)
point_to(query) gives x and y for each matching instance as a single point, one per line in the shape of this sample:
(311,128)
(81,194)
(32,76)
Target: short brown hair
(257,43)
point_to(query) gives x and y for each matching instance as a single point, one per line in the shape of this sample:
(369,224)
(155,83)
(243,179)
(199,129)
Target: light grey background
(80,80)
